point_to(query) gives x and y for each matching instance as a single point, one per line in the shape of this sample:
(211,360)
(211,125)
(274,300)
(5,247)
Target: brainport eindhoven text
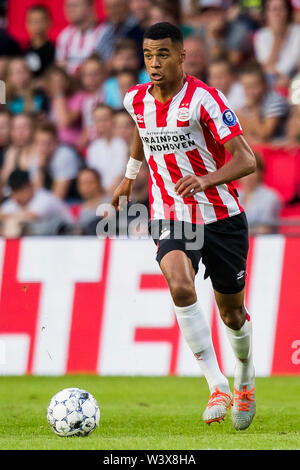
(165,142)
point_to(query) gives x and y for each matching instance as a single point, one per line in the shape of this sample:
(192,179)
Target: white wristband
(132,169)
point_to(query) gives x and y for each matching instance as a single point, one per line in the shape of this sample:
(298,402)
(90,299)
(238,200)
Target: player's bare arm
(125,187)
(241,164)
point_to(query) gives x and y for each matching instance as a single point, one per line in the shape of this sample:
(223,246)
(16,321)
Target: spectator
(277,44)
(263,118)
(91,191)
(262,204)
(140,10)
(293,129)
(221,76)
(161,13)
(78,40)
(247,12)
(32,212)
(54,166)
(8,45)
(125,57)
(20,94)
(195,60)
(124,80)
(222,36)
(240,29)
(212,29)
(19,152)
(107,154)
(120,24)
(66,105)
(293,125)
(5,124)
(40,53)
(168,11)
(92,74)
(124,127)
(296,11)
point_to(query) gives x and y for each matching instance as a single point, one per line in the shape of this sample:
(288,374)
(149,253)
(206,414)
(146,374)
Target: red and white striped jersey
(74,46)
(185,136)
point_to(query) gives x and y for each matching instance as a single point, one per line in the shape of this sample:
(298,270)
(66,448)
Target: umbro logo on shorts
(240,275)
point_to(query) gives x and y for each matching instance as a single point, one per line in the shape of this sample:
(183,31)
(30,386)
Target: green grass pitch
(148,413)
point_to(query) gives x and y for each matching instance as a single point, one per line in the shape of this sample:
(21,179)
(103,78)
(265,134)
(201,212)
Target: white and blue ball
(73,412)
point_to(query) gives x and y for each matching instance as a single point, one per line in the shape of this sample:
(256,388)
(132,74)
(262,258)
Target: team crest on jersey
(229,118)
(183,114)
(140,118)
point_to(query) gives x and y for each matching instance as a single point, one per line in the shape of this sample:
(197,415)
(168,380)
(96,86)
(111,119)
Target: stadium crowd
(64,134)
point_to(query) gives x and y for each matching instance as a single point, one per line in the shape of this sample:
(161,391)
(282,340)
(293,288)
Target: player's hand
(124,189)
(190,185)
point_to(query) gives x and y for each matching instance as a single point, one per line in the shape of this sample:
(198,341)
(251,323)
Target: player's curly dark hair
(163,31)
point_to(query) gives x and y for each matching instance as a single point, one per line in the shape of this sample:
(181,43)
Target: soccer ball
(73,412)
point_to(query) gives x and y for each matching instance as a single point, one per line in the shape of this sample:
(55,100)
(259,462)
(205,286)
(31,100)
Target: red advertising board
(102,306)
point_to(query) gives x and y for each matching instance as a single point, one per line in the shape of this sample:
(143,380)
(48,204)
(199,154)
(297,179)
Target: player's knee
(233,317)
(183,292)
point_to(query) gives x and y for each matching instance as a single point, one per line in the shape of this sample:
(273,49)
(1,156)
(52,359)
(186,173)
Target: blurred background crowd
(65,137)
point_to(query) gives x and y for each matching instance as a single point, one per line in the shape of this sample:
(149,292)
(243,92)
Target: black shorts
(222,246)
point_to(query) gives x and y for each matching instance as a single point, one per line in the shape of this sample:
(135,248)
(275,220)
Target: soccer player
(184,128)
